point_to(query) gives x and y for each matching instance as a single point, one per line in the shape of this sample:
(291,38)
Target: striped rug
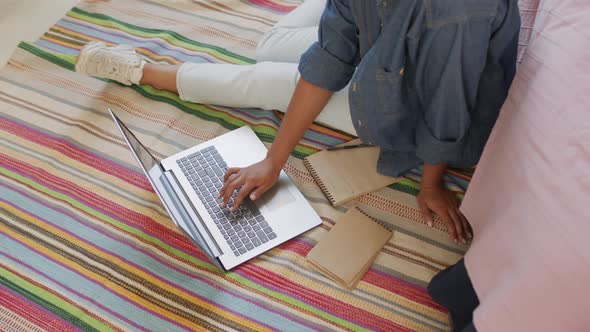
(85,243)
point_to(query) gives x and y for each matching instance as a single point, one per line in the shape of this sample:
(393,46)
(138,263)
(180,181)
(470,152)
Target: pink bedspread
(529,201)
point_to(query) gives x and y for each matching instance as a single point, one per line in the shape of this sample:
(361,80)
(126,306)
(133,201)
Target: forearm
(307,102)
(432,175)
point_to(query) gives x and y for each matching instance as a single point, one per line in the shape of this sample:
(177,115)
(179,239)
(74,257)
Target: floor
(27,20)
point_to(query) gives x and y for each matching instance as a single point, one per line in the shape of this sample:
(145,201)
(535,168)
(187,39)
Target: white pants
(270,83)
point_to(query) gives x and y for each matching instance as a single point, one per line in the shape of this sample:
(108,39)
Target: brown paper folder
(346,174)
(348,250)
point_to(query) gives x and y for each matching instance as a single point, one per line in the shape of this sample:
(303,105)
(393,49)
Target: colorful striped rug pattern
(85,243)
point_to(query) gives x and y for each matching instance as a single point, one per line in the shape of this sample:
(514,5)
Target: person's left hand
(442,202)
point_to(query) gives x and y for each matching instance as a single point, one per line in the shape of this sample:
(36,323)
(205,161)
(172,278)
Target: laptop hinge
(194,217)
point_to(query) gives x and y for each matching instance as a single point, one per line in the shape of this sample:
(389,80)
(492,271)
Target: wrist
(276,163)
(432,175)
(431,184)
(431,189)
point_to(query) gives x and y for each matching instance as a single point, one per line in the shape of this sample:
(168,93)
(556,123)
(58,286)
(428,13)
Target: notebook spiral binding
(380,223)
(319,181)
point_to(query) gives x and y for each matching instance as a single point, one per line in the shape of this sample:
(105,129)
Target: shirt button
(360,123)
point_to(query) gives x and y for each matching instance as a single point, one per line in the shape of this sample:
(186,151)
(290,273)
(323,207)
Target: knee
(436,288)
(267,46)
(433,287)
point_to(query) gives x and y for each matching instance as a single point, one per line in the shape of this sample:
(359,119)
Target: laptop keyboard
(245,228)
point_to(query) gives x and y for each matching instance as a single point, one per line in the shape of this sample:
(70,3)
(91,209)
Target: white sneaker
(119,63)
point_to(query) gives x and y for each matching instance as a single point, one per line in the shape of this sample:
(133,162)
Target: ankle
(148,71)
(160,76)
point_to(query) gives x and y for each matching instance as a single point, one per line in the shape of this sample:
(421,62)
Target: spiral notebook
(348,250)
(346,174)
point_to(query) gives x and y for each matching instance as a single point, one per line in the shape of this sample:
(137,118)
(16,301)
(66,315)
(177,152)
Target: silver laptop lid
(164,189)
(146,160)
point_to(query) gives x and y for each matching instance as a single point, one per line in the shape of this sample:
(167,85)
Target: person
(268,84)
(423,80)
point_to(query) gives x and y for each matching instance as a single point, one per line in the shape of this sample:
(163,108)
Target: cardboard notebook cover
(346,174)
(348,250)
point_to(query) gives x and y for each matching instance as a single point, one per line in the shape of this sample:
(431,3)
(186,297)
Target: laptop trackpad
(278,196)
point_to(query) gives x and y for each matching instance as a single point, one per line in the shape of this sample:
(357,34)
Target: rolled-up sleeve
(330,62)
(450,62)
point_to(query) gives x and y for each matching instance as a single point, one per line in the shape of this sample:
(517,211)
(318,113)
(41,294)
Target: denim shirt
(427,78)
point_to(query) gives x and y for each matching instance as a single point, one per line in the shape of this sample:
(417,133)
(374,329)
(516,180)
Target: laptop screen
(146,159)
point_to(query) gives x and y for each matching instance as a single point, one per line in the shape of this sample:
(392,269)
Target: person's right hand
(254,180)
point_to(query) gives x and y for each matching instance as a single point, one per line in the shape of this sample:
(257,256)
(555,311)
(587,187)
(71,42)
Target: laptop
(188,182)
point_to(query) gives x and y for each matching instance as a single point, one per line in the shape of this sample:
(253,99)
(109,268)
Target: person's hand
(442,202)
(253,180)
